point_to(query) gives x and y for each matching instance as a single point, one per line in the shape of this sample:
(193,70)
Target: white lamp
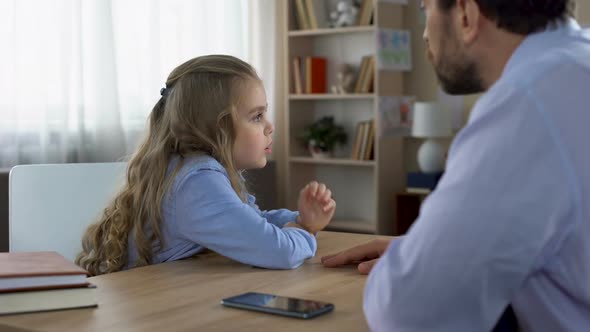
(431,122)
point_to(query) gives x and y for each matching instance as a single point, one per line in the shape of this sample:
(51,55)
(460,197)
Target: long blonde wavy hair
(196,114)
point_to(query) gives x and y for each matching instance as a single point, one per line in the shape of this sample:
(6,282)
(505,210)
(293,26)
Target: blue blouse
(201,210)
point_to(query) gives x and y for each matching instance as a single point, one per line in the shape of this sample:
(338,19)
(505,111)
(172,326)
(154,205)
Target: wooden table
(185,296)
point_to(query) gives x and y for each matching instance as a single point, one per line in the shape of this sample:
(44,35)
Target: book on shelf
(313,24)
(356,144)
(36,270)
(367,84)
(301,15)
(366,75)
(48,299)
(360,73)
(363,146)
(316,12)
(365,13)
(370,141)
(364,141)
(358,140)
(311,14)
(315,74)
(297,77)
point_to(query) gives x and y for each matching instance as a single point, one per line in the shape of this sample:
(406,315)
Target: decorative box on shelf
(423,183)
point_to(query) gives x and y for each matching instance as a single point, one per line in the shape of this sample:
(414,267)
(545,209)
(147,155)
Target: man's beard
(456,74)
(460,78)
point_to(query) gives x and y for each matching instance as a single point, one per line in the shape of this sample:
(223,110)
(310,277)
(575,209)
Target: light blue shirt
(201,210)
(509,222)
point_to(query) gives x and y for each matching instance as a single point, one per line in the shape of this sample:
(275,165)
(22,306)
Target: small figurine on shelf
(344,79)
(344,15)
(322,136)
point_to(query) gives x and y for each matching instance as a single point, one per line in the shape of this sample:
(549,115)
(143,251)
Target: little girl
(184,191)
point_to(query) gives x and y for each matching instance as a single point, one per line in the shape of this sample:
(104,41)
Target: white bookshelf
(364,190)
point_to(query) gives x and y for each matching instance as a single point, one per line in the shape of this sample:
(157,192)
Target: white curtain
(78,78)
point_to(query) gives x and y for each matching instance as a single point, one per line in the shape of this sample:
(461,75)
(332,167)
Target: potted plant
(322,136)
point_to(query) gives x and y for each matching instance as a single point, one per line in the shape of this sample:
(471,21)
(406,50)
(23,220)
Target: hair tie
(164,92)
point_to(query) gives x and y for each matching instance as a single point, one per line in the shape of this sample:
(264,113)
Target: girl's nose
(270,128)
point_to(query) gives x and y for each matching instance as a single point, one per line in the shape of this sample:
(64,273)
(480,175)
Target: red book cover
(316,82)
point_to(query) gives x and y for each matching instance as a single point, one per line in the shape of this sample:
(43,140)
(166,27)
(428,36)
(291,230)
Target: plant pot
(318,153)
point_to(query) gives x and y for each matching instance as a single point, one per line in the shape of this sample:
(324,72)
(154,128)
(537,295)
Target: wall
(262,183)
(583,12)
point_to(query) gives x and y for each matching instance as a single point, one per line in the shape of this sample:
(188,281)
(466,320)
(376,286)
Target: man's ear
(468,20)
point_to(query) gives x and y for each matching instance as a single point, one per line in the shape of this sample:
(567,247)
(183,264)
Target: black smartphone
(278,305)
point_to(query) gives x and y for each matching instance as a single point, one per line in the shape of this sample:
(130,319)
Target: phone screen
(280,305)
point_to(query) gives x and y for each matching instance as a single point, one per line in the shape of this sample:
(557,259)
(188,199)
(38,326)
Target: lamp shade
(431,120)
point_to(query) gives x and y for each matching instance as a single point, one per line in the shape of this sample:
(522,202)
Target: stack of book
(42,281)
(309,76)
(311,14)
(366,75)
(363,145)
(365,15)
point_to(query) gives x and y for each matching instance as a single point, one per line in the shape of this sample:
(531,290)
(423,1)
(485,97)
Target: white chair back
(50,206)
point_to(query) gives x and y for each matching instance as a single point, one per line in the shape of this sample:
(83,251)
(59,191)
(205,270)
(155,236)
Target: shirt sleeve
(491,222)
(276,217)
(209,213)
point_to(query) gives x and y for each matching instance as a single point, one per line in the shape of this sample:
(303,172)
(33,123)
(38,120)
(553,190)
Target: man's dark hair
(521,16)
